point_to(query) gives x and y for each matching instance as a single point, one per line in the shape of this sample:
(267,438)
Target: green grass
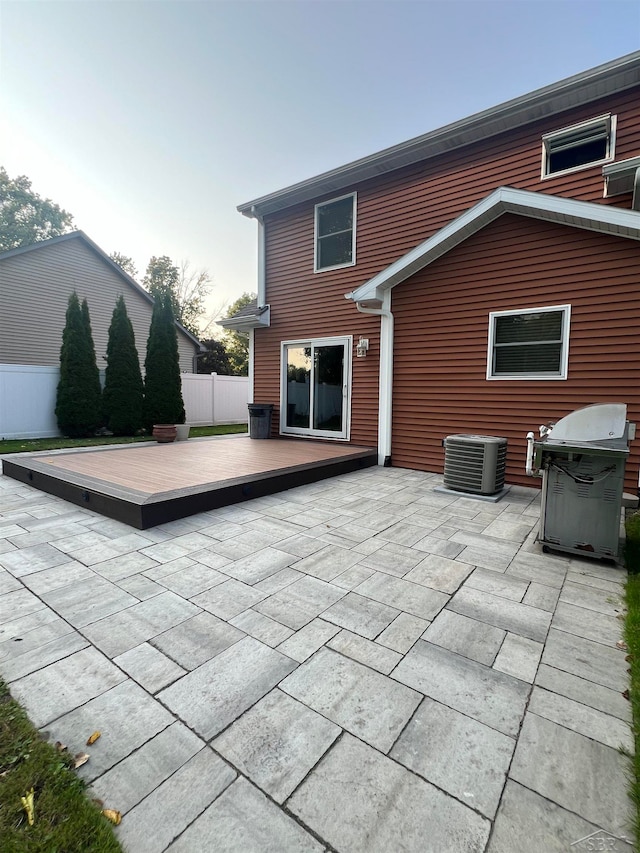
(632,638)
(39,444)
(66,821)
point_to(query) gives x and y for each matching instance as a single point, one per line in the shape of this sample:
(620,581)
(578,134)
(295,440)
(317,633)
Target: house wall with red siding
(396,212)
(441,335)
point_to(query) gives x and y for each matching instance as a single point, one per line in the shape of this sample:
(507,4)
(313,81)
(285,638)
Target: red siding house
(482,278)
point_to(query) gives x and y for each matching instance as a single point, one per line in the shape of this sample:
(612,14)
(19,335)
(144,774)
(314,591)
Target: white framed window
(529,344)
(579,146)
(335,233)
(315,387)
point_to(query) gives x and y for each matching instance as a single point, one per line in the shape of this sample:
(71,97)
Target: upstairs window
(529,344)
(335,243)
(577,147)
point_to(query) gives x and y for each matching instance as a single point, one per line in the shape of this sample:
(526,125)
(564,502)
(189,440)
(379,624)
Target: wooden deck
(148,484)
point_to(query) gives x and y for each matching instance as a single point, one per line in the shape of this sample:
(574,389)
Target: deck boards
(149,484)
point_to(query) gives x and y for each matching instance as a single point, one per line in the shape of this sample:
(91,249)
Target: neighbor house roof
(248,317)
(614,76)
(80,235)
(564,211)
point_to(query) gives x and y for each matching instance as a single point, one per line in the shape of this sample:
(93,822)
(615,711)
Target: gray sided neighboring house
(35,284)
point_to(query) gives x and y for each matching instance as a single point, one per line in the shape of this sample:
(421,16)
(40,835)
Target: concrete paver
(364,702)
(216,693)
(169,809)
(465,636)
(569,769)
(358,799)
(243,820)
(276,743)
(458,754)
(359,664)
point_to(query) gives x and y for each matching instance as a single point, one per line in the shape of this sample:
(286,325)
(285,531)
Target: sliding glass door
(315,394)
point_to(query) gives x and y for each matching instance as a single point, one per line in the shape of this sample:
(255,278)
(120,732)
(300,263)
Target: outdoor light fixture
(362,347)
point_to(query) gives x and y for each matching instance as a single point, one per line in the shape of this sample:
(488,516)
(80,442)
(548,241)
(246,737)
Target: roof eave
(246,322)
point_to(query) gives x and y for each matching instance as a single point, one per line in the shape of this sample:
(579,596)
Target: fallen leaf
(621,645)
(80,759)
(99,803)
(94,737)
(625,693)
(28,806)
(61,747)
(112,815)
(628,658)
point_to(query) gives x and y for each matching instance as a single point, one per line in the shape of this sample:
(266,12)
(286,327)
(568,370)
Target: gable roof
(80,235)
(564,211)
(614,76)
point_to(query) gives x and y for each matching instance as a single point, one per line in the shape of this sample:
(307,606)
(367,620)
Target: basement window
(578,147)
(335,233)
(529,344)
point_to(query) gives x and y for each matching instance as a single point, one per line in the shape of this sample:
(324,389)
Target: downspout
(250,361)
(262,260)
(262,294)
(385,379)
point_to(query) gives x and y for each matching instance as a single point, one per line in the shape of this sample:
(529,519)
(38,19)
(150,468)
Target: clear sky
(150,121)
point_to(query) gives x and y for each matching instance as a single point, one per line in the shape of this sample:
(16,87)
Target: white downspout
(250,365)
(262,293)
(262,260)
(385,383)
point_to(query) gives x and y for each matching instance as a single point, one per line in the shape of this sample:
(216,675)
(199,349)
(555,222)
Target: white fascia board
(565,211)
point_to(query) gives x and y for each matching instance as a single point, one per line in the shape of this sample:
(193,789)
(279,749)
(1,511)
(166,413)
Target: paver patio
(360,664)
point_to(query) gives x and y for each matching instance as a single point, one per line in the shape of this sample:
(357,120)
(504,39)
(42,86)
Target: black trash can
(260,420)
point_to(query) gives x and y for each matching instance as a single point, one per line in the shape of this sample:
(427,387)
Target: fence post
(214,379)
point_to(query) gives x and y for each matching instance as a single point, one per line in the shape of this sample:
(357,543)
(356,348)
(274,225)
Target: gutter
(385,376)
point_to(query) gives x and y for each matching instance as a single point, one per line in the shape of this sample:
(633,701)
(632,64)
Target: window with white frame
(335,233)
(529,344)
(579,146)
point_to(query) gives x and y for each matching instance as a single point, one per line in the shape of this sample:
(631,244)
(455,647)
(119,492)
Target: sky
(151,121)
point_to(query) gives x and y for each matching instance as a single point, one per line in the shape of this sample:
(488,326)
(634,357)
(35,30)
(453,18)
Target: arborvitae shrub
(78,402)
(163,402)
(123,395)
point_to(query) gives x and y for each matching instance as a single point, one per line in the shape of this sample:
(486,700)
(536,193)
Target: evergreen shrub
(123,394)
(78,400)
(163,402)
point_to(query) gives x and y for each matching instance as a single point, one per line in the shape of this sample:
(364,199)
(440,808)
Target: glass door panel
(298,386)
(328,382)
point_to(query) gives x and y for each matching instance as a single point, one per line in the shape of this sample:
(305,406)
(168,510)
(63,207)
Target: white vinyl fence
(212,399)
(28,400)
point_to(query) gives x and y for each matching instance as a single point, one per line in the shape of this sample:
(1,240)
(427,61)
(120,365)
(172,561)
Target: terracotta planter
(164,433)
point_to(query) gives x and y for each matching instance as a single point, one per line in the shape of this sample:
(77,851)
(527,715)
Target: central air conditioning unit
(475,463)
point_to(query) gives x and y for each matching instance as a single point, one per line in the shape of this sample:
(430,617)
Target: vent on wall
(475,463)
